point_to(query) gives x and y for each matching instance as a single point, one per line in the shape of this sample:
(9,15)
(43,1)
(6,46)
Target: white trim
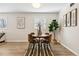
(29,12)
(16,40)
(69,49)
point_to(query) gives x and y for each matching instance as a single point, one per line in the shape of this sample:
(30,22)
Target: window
(40,20)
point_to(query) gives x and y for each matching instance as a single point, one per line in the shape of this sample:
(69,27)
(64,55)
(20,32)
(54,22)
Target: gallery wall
(69,36)
(21,35)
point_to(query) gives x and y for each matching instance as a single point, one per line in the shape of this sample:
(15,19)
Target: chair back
(30,38)
(47,33)
(50,38)
(32,33)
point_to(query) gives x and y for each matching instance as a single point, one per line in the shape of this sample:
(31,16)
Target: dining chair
(32,33)
(47,33)
(30,38)
(48,38)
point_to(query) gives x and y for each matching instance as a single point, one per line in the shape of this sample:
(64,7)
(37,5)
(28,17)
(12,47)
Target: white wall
(20,35)
(69,36)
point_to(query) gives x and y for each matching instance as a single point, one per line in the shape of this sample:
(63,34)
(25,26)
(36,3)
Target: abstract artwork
(3,22)
(68,20)
(20,22)
(74,17)
(65,20)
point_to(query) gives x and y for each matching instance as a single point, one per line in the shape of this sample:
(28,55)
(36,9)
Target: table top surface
(43,35)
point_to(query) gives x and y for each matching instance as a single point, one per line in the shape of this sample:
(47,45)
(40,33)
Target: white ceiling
(27,7)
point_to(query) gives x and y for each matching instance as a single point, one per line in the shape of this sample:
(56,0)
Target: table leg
(39,47)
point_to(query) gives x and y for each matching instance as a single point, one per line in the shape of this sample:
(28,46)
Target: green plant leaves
(53,26)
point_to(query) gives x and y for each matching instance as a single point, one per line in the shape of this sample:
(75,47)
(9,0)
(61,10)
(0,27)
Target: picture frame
(65,20)
(68,19)
(20,22)
(74,17)
(3,22)
(71,4)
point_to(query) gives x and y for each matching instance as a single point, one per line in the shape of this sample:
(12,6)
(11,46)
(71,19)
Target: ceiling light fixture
(36,5)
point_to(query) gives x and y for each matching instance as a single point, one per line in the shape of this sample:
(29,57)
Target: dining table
(40,36)
(40,48)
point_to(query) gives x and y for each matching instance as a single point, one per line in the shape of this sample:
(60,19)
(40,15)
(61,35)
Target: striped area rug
(39,49)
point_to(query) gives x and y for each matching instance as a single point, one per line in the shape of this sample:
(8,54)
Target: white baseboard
(16,41)
(69,49)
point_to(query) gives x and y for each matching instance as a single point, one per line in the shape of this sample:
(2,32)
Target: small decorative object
(53,26)
(65,20)
(20,22)
(39,24)
(39,29)
(74,17)
(68,20)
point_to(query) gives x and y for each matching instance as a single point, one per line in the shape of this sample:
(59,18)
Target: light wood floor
(13,49)
(19,49)
(59,50)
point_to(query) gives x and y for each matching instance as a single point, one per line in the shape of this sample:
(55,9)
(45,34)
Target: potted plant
(53,26)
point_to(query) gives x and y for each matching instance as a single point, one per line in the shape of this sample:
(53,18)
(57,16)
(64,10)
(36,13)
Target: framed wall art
(71,4)
(74,17)
(3,22)
(20,22)
(68,20)
(65,20)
